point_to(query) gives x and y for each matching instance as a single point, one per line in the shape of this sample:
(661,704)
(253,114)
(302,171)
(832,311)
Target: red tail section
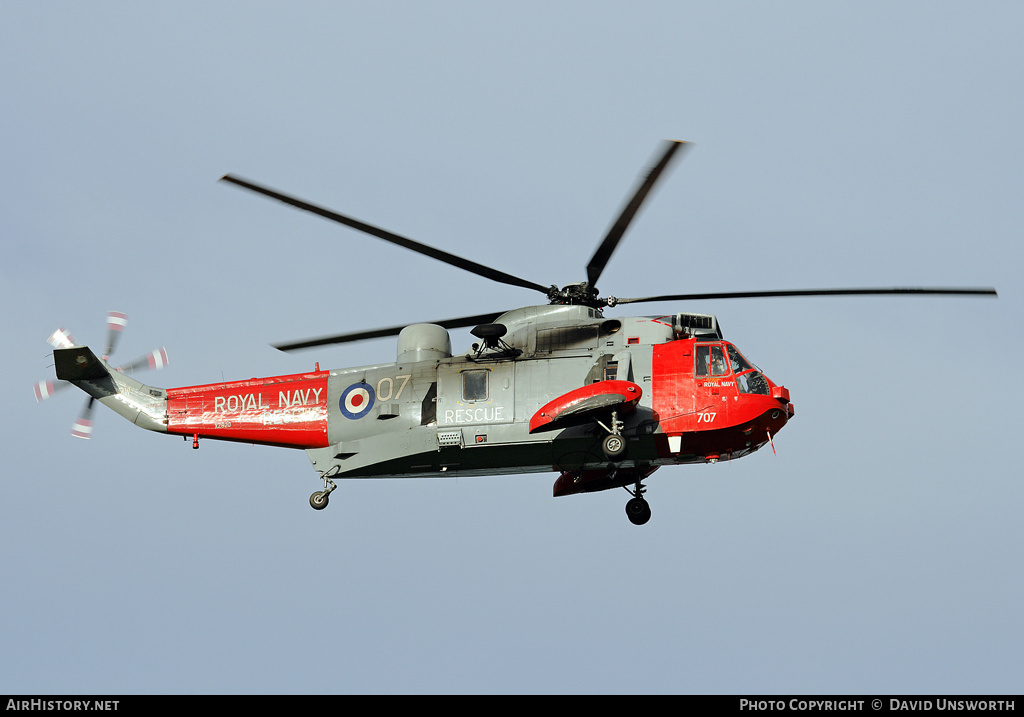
(288,411)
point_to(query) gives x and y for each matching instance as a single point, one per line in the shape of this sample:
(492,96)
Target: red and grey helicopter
(602,401)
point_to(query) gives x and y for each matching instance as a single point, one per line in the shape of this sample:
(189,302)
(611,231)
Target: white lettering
(797,704)
(961,705)
(237,403)
(298,397)
(480,414)
(895,704)
(762,705)
(405,380)
(62,705)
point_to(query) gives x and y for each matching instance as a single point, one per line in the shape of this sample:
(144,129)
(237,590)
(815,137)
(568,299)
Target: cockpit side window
(710,361)
(752,382)
(748,379)
(739,364)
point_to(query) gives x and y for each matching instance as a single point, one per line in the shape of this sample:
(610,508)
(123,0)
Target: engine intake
(424,342)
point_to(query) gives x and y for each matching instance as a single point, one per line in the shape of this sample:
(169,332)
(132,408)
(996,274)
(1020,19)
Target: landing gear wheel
(319,500)
(638,511)
(614,446)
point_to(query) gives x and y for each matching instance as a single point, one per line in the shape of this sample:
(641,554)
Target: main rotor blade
(618,229)
(452,259)
(810,292)
(390,331)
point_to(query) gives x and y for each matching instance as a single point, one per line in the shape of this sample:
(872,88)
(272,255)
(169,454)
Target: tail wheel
(319,500)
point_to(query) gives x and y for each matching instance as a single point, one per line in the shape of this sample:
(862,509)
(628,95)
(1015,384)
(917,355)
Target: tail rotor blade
(116,321)
(61,339)
(155,360)
(46,389)
(82,427)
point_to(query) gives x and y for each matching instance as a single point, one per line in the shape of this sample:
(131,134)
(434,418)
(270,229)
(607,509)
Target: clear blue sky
(835,144)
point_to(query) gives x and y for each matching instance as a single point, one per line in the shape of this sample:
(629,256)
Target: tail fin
(79,363)
(143,405)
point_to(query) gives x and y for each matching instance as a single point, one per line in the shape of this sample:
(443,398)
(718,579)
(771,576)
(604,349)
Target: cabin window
(474,385)
(710,361)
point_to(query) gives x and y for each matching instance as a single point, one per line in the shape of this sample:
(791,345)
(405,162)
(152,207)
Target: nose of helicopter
(781,394)
(779,417)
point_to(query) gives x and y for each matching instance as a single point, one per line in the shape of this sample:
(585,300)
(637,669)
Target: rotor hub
(576,294)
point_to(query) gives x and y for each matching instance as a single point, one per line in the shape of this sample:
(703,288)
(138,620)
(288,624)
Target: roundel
(356,400)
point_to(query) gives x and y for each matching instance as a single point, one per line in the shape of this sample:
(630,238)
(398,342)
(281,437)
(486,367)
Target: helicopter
(558,387)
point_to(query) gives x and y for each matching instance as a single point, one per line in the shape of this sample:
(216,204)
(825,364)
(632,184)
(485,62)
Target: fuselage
(701,401)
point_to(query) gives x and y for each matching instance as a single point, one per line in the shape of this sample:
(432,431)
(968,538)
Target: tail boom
(288,411)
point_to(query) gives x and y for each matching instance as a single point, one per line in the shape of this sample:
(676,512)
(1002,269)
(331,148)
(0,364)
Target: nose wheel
(614,444)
